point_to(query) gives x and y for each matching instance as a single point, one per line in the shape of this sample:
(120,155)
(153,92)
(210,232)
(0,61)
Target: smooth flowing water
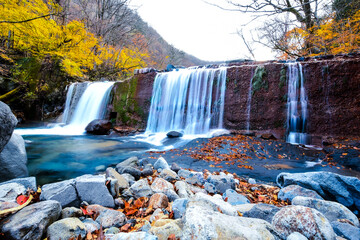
(296,105)
(188,100)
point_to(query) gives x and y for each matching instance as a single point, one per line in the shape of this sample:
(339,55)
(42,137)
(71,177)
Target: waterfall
(74,93)
(189,100)
(296,105)
(248,108)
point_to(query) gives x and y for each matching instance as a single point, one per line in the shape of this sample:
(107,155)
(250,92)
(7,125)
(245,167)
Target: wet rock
(121,180)
(183,189)
(158,200)
(331,210)
(209,187)
(169,175)
(262,211)
(234,198)
(346,230)
(68,228)
(10,191)
(7,124)
(13,159)
(296,236)
(107,217)
(163,228)
(307,221)
(217,203)
(222,182)
(28,182)
(91,225)
(161,163)
(160,185)
(136,173)
(63,192)
(31,222)
(175,167)
(343,189)
(71,212)
(99,127)
(195,178)
(147,171)
(130,162)
(174,134)
(141,188)
(202,222)
(93,190)
(134,236)
(171,195)
(184,173)
(179,207)
(291,191)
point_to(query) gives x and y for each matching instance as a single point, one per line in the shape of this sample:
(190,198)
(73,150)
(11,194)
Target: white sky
(199,29)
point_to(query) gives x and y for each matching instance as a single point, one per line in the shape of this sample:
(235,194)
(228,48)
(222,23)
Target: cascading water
(296,105)
(189,100)
(84,103)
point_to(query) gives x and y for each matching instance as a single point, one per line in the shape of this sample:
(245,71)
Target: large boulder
(292,191)
(7,124)
(13,159)
(99,127)
(31,222)
(28,182)
(63,192)
(307,221)
(330,186)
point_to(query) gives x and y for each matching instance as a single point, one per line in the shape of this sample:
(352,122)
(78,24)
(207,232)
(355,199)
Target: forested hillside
(45,45)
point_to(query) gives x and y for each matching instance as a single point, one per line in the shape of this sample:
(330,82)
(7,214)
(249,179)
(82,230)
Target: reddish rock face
(332,86)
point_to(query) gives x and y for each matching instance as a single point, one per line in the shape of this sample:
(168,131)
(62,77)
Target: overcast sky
(199,29)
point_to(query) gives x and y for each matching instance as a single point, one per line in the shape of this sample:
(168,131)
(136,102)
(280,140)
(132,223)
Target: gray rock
(7,124)
(262,211)
(175,167)
(134,236)
(68,228)
(129,178)
(171,194)
(13,159)
(291,191)
(163,228)
(346,230)
(10,191)
(179,207)
(184,173)
(183,189)
(122,181)
(141,188)
(222,182)
(107,217)
(331,210)
(234,198)
(202,222)
(217,203)
(28,182)
(343,189)
(195,178)
(112,231)
(160,185)
(130,162)
(91,225)
(196,189)
(174,134)
(146,227)
(209,187)
(136,173)
(251,181)
(243,208)
(114,186)
(169,175)
(7,205)
(71,212)
(147,171)
(307,221)
(99,127)
(92,189)
(31,222)
(63,192)
(296,236)
(161,163)
(156,215)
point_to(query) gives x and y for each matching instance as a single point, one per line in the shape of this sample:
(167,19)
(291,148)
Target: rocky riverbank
(137,200)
